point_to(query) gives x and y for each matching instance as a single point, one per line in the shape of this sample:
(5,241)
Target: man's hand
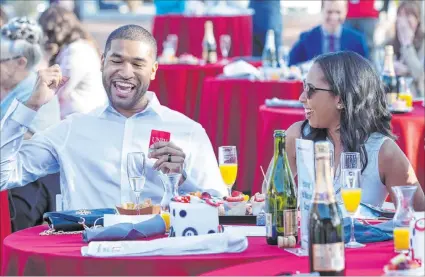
(170,157)
(49,82)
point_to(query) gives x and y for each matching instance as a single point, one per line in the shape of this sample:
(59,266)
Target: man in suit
(330,36)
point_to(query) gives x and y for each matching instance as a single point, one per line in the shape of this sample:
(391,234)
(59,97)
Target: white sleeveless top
(374,191)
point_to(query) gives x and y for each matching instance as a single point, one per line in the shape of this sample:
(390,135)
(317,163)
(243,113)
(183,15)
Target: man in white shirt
(90,150)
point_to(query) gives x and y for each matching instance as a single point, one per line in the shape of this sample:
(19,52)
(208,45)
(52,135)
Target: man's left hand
(170,157)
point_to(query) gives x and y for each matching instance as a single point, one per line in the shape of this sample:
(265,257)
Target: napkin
(239,68)
(172,246)
(126,231)
(365,233)
(276,102)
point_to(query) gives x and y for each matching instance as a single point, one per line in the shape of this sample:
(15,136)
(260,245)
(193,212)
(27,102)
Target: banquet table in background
(229,114)
(408,127)
(28,253)
(378,255)
(190,32)
(5,227)
(179,86)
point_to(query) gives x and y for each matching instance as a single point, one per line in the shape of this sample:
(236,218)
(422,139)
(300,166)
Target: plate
(400,111)
(408,272)
(237,219)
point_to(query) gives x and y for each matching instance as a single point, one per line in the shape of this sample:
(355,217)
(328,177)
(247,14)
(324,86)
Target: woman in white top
(345,103)
(76,53)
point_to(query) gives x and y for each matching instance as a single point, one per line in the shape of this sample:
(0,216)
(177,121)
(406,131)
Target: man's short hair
(132,32)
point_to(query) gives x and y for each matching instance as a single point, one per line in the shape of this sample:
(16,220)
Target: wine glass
(351,189)
(136,174)
(225,43)
(228,163)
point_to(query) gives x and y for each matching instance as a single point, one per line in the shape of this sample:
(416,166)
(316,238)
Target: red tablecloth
(4,221)
(229,114)
(410,129)
(27,253)
(179,87)
(190,32)
(368,261)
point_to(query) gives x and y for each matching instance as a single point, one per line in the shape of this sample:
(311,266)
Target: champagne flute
(136,174)
(225,43)
(351,190)
(228,163)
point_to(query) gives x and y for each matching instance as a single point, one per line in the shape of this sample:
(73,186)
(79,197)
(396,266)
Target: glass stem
(229,190)
(137,203)
(352,239)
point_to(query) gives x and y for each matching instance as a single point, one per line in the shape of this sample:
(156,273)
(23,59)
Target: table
(27,253)
(409,127)
(229,114)
(179,86)
(5,227)
(367,261)
(190,32)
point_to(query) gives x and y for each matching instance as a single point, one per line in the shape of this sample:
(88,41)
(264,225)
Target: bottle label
(269,225)
(328,257)
(290,224)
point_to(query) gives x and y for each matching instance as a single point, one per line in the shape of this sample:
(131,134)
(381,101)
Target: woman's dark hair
(413,8)
(61,28)
(355,81)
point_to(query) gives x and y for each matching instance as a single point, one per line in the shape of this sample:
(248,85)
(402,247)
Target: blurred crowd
(59,37)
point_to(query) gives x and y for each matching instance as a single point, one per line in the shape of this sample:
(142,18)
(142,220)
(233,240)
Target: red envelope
(157,136)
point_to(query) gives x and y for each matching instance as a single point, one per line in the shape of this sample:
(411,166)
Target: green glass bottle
(326,230)
(281,197)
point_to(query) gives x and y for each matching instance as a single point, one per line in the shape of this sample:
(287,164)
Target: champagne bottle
(281,199)
(326,230)
(388,75)
(209,45)
(269,52)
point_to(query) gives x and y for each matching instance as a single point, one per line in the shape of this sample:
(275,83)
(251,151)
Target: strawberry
(234,199)
(236,193)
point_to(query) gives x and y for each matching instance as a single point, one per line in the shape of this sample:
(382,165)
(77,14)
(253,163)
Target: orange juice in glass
(351,198)
(401,239)
(166,217)
(228,163)
(406,97)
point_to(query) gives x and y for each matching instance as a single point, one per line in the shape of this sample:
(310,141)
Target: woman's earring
(340,107)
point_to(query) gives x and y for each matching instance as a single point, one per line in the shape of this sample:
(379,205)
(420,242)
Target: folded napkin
(172,246)
(241,68)
(127,231)
(365,233)
(276,102)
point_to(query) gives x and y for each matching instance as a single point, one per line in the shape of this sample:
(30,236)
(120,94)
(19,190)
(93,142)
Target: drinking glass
(225,43)
(283,56)
(351,191)
(403,217)
(173,40)
(136,174)
(228,163)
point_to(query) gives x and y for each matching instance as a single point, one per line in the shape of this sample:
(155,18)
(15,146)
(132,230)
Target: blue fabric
(127,231)
(21,92)
(310,44)
(368,233)
(169,6)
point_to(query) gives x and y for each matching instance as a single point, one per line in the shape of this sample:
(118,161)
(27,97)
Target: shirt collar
(337,33)
(153,106)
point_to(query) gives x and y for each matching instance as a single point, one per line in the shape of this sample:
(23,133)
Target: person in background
(21,52)
(345,103)
(267,15)
(90,150)
(363,17)
(409,45)
(169,6)
(73,48)
(330,36)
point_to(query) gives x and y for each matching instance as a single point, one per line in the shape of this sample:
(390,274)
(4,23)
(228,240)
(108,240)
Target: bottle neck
(279,146)
(324,190)
(270,44)
(389,65)
(209,35)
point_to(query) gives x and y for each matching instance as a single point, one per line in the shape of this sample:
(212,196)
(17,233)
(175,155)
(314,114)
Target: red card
(157,136)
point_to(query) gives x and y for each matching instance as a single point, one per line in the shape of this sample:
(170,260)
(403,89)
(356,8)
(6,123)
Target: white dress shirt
(90,152)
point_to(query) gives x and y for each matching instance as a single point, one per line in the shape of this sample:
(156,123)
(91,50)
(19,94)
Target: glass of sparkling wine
(351,191)
(228,163)
(136,174)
